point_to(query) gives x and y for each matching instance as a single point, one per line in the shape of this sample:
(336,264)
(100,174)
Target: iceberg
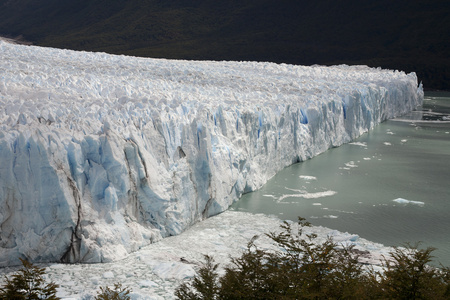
(101,155)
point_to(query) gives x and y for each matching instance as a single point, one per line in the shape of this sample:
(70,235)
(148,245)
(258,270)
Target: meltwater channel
(391,185)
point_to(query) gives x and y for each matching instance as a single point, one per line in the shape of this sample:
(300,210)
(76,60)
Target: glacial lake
(391,185)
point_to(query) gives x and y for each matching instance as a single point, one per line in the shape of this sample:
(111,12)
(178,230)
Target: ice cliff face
(101,155)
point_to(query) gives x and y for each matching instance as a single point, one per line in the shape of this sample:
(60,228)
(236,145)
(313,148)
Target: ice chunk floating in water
(404,201)
(307,195)
(306,177)
(101,155)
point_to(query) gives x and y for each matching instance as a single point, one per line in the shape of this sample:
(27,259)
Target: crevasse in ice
(101,154)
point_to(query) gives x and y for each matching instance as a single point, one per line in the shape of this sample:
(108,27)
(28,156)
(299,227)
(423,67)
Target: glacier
(101,155)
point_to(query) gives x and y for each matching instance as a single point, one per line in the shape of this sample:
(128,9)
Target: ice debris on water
(306,177)
(101,154)
(405,201)
(307,195)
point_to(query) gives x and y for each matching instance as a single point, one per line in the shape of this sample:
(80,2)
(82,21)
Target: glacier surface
(101,155)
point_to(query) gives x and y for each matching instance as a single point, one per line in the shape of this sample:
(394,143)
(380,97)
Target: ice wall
(101,155)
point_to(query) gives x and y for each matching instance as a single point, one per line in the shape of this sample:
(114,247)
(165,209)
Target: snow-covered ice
(101,155)
(155,271)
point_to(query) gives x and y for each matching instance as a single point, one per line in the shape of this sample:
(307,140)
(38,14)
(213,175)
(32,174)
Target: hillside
(405,35)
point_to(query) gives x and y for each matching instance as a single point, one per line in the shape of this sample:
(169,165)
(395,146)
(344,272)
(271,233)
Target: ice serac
(101,155)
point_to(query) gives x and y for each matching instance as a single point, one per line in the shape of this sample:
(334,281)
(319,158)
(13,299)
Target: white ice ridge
(101,155)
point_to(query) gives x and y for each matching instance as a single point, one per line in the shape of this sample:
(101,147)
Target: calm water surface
(352,188)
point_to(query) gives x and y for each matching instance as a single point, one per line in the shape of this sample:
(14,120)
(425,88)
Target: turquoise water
(352,188)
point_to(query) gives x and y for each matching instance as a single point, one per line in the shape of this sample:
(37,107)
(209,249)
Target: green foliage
(302,268)
(117,293)
(407,275)
(203,286)
(252,276)
(28,284)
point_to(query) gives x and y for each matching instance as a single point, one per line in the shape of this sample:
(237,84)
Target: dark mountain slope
(399,34)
